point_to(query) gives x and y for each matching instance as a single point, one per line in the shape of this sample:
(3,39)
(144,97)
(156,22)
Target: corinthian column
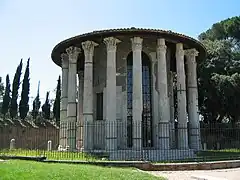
(111,123)
(172,111)
(88,47)
(153,56)
(181,98)
(193,115)
(64,101)
(163,100)
(80,110)
(73,53)
(137,101)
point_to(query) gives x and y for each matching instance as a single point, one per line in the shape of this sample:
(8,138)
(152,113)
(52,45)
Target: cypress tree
(1,89)
(46,108)
(6,97)
(23,105)
(36,104)
(15,87)
(56,105)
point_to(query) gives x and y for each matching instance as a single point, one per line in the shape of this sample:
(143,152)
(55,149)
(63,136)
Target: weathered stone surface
(105,70)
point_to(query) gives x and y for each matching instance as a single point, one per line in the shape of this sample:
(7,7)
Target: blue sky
(32,28)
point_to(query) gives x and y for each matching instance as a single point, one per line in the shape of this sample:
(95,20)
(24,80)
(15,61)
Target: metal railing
(121,141)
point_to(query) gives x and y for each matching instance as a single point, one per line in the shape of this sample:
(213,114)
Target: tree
(227,29)
(36,104)
(1,89)
(46,108)
(56,105)
(219,73)
(15,88)
(6,97)
(23,105)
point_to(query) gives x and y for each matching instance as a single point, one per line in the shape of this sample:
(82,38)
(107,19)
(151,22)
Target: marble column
(172,111)
(193,114)
(88,47)
(137,99)
(170,76)
(80,110)
(64,101)
(181,98)
(111,121)
(73,53)
(163,100)
(153,56)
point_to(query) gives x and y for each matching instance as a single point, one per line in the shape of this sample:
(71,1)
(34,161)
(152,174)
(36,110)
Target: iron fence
(103,140)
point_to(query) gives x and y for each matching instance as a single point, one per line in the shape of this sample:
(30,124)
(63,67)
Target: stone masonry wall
(29,137)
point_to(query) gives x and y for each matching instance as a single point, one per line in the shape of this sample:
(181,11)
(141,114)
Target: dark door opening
(147,101)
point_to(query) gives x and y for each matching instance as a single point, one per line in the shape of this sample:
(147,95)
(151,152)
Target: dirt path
(225,174)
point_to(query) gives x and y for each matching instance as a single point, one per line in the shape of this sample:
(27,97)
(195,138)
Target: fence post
(204,146)
(12,144)
(49,145)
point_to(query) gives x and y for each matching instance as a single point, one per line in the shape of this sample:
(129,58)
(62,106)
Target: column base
(182,137)
(194,138)
(163,135)
(71,132)
(137,136)
(111,135)
(79,135)
(63,134)
(172,136)
(88,128)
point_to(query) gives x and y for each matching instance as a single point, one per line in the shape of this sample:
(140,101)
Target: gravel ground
(225,174)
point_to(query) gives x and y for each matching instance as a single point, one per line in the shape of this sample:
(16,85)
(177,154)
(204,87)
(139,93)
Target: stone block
(218,165)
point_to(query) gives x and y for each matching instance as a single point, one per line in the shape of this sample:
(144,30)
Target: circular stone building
(118,93)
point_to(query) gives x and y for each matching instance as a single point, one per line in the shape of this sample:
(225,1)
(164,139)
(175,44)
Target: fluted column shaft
(64,101)
(80,110)
(193,115)
(88,47)
(163,100)
(172,111)
(181,98)
(137,99)
(73,53)
(111,123)
(153,56)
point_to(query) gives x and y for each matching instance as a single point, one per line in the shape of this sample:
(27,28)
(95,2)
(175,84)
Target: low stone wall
(189,166)
(28,136)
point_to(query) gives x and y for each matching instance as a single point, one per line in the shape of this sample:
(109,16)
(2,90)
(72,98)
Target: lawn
(24,170)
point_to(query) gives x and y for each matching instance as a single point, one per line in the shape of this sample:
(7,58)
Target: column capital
(136,43)
(111,43)
(88,47)
(179,49)
(153,57)
(190,55)
(73,53)
(64,60)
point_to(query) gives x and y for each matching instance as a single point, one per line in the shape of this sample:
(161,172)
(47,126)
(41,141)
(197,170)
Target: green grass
(24,170)
(223,154)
